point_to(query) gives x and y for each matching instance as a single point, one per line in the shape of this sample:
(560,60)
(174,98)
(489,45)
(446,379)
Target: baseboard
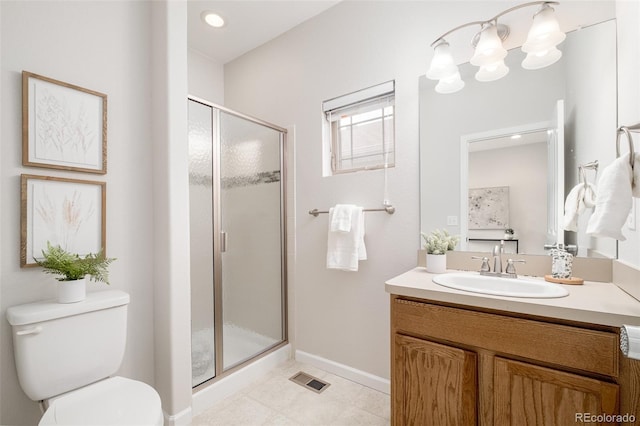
(183,418)
(227,386)
(355,375)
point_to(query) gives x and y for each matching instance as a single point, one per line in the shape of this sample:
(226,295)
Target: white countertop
(592,302)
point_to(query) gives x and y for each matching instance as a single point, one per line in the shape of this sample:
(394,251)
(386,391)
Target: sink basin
(512,287)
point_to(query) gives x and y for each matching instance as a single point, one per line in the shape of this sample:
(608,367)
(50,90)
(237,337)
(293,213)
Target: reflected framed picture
(65,212)
(63,126)
(489,208)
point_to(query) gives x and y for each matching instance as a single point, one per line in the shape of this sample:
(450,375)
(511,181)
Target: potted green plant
(509,234)
(437,244)
(73,270)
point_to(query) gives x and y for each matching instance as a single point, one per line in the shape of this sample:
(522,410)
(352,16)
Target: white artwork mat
(489,208)
(65,127)
(67,214)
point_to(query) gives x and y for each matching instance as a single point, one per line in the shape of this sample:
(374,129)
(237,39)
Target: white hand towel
(590,196)
(344,249)
(341,218)
(635,187)
(572,207)
(614,200)
(580,198)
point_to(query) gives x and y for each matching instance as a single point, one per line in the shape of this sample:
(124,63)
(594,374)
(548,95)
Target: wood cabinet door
(526,394)
(433,384)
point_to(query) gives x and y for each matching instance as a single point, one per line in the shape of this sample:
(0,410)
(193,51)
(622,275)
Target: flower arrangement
(70,266)
(439,241)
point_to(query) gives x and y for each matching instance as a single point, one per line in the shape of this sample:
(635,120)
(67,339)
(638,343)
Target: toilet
(66,355)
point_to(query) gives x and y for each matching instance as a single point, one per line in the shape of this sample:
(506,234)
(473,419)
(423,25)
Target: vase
(72,291)
(436,263)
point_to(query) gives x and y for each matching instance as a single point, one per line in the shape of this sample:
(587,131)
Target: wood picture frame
(64,126)
(70,213)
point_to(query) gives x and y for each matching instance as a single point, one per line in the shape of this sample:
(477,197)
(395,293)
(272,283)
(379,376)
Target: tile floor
(276,400)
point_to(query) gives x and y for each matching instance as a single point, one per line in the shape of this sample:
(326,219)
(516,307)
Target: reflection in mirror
(505,186)
(585,78)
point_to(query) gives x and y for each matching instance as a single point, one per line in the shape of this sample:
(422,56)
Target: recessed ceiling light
(212,18)
(516,136)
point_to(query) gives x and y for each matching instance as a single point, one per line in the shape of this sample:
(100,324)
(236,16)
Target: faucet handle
(485,263)
(511,269)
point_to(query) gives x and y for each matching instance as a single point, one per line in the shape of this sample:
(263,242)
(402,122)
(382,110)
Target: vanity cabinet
(436,383)
(455,365)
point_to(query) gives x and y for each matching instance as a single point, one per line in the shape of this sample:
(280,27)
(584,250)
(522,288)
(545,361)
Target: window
(361,129)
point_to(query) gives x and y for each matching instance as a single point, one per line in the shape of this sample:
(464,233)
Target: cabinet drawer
(572,347)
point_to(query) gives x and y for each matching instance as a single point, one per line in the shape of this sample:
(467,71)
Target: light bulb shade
(450,84)
(535,61)
(489,49)
(442,65)
(492,72)
(544,33)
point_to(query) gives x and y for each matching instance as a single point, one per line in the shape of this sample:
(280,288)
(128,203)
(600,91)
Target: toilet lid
(113,401)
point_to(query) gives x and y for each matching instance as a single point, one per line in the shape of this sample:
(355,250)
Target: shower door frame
(218,242)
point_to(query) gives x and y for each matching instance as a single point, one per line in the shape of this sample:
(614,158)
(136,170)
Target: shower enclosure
(237,232)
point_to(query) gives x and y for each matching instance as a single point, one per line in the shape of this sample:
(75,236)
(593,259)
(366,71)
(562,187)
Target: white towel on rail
(345,249)
(580,198)
(340,220)
(614,200)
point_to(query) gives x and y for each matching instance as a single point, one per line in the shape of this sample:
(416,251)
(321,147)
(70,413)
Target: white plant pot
(72,291)
(437,263)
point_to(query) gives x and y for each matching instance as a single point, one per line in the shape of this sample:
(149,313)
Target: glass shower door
(237,239)
(202,128)
(251,239)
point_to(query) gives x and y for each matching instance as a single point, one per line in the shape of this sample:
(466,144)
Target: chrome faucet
(497,257)
(510,270)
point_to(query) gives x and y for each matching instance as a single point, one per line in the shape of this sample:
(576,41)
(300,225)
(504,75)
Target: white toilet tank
(61,347)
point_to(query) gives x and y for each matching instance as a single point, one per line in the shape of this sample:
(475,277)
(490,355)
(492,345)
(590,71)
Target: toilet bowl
(113,401)
(66,356)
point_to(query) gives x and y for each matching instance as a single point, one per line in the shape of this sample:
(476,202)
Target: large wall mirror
(516,144)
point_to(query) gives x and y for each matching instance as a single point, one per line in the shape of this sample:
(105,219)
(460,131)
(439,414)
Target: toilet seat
(113,401)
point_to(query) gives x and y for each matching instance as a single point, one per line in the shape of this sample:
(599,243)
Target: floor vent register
(309,382)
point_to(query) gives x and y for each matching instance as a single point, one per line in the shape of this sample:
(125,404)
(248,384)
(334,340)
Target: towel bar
(388,209)
(626,130)
(587,166)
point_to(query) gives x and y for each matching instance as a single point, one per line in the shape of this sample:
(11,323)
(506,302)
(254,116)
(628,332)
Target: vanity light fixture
(540,47)
(212,19)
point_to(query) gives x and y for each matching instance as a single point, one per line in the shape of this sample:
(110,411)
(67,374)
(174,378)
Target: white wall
(170,186)
(206,77)
(76,42)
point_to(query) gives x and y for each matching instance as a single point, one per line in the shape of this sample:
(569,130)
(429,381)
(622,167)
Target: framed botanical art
(63,126)
(65,212)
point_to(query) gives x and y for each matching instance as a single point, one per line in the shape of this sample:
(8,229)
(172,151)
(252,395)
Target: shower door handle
(223,242)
